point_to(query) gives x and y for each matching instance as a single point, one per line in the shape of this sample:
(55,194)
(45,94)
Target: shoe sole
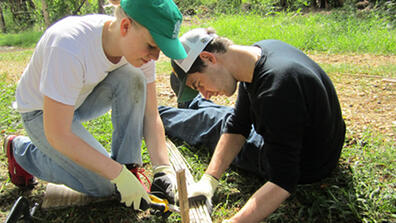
(7,142)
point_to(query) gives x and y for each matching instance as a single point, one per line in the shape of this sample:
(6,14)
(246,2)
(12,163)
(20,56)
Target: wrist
(122,174)
(211,180)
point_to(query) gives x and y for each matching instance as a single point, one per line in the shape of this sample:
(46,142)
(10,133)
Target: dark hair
(217,45)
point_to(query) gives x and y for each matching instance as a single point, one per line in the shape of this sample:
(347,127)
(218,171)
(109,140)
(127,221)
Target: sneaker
(136,170)
(17,174)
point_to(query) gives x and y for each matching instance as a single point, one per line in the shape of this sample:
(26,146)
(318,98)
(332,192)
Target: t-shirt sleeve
(62,76)
(149,71)
(239,122)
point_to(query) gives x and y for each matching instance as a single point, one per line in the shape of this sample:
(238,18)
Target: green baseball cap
(183,92)
(163,19)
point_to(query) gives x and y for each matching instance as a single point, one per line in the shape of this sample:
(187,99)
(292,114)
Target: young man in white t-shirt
(81,68)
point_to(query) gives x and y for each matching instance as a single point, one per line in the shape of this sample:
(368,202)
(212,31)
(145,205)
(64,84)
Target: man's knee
(131,81)
(128,74)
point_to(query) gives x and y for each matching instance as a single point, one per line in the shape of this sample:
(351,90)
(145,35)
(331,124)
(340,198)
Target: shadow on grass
(99,212)
(332,199)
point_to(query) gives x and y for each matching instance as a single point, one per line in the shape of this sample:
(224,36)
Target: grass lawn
(361,189)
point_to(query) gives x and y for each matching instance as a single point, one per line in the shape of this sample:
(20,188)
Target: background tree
(22,12)
(2,21)
(44,7)
(100,7)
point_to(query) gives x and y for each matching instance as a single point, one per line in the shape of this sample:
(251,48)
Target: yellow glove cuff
(167,169)
(124,175)
(213,182)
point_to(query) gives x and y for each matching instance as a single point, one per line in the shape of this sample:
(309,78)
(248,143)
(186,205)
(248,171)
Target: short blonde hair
(118,11)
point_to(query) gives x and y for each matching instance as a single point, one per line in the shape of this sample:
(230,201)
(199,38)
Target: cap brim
(172,48)
(185,93)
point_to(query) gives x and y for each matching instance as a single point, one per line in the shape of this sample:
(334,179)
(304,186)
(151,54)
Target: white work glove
(131,190)
(206,186)
(164,183)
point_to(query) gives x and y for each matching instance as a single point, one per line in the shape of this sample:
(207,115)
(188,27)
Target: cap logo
(176,29)
(204,40)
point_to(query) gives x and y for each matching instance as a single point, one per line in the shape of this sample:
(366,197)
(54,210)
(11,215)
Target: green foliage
(59,9)
(30,16)
(333,32)
(387,10)
(9,118)
(23,39)
(372,163)
(18,14)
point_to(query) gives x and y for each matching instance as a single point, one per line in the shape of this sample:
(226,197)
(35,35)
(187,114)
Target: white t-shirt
(68,63)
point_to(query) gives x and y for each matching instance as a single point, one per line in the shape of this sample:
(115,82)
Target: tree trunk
(339,3)
(100,7)
(21,13)
(314,4)
(2,21)
(47,21)
(283,3)
(323,4)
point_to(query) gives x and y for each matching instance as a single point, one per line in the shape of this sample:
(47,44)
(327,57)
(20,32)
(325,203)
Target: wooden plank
(183,199)
(60,196)
(198,211)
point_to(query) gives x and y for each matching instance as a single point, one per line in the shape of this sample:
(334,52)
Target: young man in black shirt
(283,96)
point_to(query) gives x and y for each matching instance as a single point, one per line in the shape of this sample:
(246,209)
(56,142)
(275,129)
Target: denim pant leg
(200,125)
(40,159)
(36,156)
(124,91)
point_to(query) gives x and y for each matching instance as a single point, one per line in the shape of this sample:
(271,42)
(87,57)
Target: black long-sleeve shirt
(292,103)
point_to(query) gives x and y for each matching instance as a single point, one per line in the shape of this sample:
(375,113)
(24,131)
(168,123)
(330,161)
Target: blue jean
(200,124)
(124,92)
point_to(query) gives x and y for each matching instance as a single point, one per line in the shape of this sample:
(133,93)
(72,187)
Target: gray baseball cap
(194,42)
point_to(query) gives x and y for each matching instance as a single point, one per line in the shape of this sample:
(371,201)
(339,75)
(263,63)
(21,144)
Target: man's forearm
(72,146)
(153,130)
(83,154)
(259,206)
(226,150)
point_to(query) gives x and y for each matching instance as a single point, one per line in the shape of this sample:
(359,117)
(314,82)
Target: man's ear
(207,57)
(125,25)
